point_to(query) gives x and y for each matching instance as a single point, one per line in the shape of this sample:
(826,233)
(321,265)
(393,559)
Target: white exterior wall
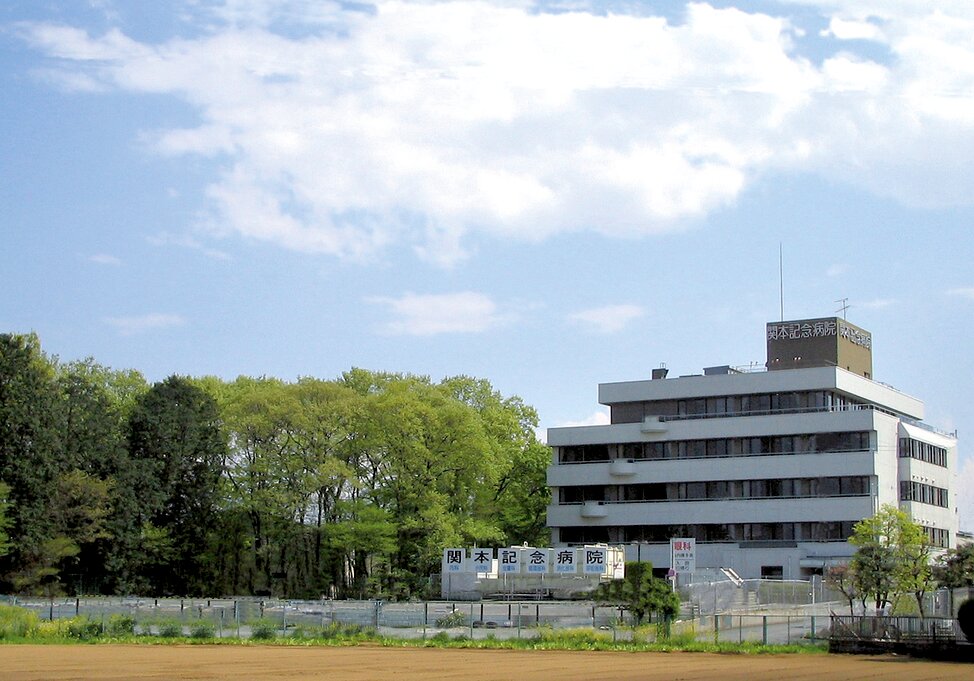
(881,463)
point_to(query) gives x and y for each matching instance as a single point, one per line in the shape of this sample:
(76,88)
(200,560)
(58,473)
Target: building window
(923,451)
(730,532)
(923,494)
(734,405)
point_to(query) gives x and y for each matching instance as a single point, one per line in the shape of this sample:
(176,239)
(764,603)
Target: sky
(548,195)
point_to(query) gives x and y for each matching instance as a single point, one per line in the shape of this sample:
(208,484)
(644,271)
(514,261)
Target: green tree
(176,454)
(843,579)
(29,444)
(4,520)
(892,557)
(641,594)
(955,568)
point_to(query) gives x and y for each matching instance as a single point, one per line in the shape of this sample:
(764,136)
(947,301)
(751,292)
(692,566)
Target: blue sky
(546,195)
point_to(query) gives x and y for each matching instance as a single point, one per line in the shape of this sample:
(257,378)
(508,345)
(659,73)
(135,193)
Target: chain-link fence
(725,596)
(243,617)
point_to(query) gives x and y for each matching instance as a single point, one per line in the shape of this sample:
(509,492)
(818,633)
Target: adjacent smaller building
(766,471)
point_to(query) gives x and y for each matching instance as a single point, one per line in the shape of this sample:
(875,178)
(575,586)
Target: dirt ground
(241,663)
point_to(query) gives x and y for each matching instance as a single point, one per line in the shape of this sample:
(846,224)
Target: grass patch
(17,622)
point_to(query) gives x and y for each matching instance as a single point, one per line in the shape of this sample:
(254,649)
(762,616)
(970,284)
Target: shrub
(17,622)
(120,625)
(965,618)
(170,629)
(263,630)
(202,629)
(454,619)
(83,628)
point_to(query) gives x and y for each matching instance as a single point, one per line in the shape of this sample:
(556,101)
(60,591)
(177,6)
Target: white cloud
(130,326)
(427,315)
(104,259)
(853,30)
(967,292)
(608,319)
(419,123)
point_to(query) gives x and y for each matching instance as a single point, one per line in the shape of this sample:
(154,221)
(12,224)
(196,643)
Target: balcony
(622,467)
(594,509)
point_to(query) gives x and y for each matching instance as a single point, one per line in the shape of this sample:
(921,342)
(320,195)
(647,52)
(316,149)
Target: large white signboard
(536,560)
(508,560)
(453,560)
(481,559)
(594,560)
(683,554)
(565,562)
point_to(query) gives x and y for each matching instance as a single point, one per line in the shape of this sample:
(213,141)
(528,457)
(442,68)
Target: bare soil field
(360,663)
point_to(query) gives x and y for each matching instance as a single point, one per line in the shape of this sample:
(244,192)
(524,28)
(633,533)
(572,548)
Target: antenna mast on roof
(844,309)
(781,281)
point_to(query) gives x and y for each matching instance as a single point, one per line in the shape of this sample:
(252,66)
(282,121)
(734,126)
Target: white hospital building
(768,471)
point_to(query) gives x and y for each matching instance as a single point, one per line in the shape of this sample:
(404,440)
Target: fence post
(716,628)
(764,629)
(519,619)
(814,632)
(471,620)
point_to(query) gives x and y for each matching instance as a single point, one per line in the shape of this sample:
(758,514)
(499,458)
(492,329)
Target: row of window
(718,489)
(923,451)
(807,443)
(729,532)
(924,494)
(937,536)
(732,405)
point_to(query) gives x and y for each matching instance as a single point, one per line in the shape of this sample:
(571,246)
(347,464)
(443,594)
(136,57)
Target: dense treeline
(346,487)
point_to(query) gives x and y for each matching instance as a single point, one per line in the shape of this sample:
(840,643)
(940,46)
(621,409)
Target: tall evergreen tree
(176,453)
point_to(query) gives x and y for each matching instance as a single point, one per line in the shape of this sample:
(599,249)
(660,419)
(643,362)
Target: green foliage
(82,628)
(893,557)
(965,618)
(453,619)
(4,519)
(202,630)
(17,622)
(170,629)
(955,569)
(348,487)
(119,626)
(642,594)
(264,630)
(177,450)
